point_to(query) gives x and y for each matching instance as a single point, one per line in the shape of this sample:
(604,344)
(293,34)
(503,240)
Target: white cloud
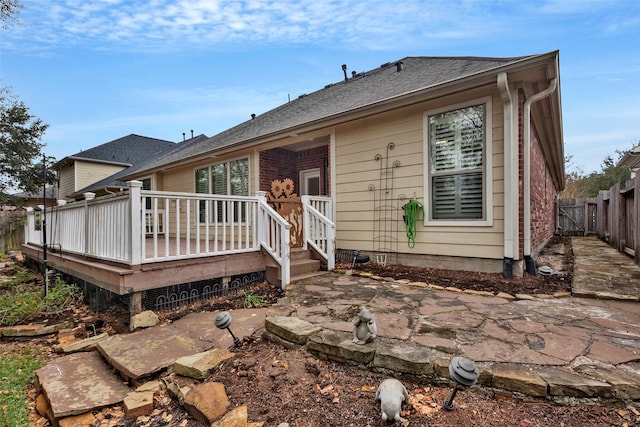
(154,24)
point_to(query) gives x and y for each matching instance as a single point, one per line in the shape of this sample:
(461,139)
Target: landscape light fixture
(223,321)
(465,373)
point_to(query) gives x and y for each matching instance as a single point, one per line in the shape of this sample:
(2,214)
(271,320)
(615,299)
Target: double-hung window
(230,178)
(458,147)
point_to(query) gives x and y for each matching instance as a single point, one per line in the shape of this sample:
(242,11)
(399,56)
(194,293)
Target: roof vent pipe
(399,66)
(184,136)
(191,133)
(353,73)
(344,70)
(253,116)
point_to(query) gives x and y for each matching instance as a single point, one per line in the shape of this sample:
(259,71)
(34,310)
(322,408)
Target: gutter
(529,262)
(511,194)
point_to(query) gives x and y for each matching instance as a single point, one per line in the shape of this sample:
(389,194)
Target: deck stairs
(304,263)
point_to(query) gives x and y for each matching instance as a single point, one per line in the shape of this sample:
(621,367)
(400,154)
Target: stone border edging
(422,363)
(505,295)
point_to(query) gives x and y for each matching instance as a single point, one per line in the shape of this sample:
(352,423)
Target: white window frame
(228,183)
(487,173)
(226,162)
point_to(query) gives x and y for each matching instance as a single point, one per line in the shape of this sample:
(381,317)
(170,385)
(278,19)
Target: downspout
(510,181)
(529,262)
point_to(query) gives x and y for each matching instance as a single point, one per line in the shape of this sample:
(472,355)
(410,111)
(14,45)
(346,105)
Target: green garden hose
(413,212)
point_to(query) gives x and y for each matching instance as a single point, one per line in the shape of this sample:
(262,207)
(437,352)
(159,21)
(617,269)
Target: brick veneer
(543,195)
(279,163)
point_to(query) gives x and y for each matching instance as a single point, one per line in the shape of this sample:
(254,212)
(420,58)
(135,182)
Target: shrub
(27,299)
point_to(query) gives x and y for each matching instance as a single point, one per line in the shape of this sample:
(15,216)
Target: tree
(579,185)
(9,11)
(20,150)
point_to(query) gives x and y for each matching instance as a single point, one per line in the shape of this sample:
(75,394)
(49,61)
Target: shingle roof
(113,182)
(362,90)
(128,150)
(52,193)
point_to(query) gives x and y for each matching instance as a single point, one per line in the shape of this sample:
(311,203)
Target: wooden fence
(618,217)
(576,217)
(12,229)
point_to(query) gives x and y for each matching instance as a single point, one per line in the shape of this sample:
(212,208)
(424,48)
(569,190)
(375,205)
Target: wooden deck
(194,242)
(123,279)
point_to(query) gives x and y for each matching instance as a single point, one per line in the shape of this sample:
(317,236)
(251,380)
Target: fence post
(135,219)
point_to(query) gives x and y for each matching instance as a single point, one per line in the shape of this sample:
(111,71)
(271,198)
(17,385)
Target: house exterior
(477,141)
(101,165)
(447,162)
(631,160)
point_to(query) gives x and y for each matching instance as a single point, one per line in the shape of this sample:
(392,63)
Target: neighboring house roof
(359,92)
(126,151)
(51,193)
(631,158)
(112,182)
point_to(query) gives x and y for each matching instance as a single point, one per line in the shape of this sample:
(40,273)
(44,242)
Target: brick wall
(542,190)
(280,163)
(542,198)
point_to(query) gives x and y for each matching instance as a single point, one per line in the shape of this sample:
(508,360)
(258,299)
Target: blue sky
(97,70)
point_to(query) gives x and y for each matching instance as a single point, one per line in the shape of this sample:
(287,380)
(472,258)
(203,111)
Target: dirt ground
(557,255)
(283,385)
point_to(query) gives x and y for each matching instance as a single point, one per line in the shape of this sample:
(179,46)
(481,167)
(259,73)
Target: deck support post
(135,303)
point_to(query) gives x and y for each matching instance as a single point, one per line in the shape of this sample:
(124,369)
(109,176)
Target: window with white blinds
(457,161)
(224,178)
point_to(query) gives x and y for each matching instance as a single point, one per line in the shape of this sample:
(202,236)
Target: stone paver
(148,351)
(600,269)
(78,383)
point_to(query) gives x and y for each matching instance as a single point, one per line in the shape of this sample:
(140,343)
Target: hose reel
(413,212)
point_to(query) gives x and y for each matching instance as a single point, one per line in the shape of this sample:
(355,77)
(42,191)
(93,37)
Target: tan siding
(67,182)
(182,179)
(356,147)
(88,173)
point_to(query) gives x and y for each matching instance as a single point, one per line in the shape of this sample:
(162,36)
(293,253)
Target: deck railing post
(135,219)
(261,225)
(87,198)
(306,222)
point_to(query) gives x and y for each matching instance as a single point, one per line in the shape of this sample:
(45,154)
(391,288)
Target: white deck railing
(318,227)
(143,226)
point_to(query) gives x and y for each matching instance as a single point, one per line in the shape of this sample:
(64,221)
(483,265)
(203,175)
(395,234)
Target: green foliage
(17,371)
(21,276)
(9,11)
(19,148)
(61,296)
(25,299)
(580,185)
(253,300)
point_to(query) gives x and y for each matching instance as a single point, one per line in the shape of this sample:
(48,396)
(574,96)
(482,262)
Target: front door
(310,182)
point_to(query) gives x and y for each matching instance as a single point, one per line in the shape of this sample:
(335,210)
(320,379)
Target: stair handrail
(319,232)
(274,237)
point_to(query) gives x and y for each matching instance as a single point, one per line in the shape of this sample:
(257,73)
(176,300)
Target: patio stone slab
(518,378)
(78,383)
(565,383)
(145,352)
